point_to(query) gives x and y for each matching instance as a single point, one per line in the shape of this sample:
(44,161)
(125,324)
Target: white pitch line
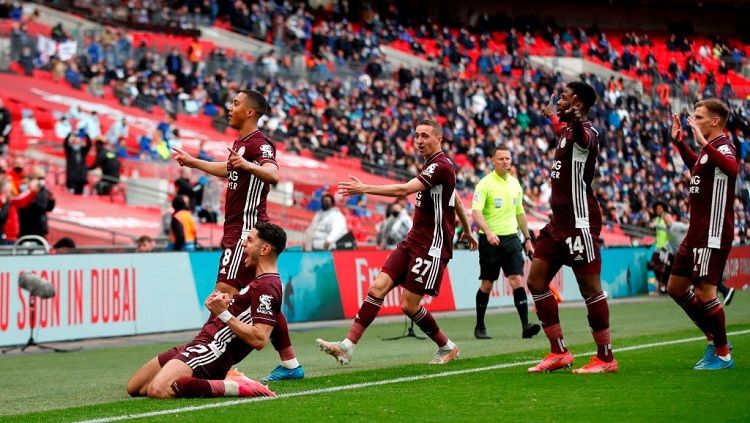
(380,382)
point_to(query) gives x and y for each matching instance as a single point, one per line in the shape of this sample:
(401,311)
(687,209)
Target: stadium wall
(105,295)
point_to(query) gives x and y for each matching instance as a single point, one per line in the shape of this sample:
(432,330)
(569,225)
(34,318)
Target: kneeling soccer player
(201,368)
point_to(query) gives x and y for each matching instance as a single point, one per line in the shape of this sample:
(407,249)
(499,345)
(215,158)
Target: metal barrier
(95,235)
(16,250)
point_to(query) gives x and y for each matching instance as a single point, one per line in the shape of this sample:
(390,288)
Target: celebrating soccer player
(238,326)
(703,253)
(571,237)
(418,263)
(250,169)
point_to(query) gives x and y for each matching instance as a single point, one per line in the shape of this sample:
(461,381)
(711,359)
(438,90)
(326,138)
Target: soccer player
(571,237)
(498,210)
(703,253)
(239,325)
(418,262)
(250,168)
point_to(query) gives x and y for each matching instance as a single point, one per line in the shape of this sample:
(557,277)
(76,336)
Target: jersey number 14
(575,246)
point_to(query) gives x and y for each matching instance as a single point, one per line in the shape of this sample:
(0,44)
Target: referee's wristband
(526,240)
(224,316)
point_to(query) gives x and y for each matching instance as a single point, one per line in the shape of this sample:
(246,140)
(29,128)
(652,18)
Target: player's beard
(252,259)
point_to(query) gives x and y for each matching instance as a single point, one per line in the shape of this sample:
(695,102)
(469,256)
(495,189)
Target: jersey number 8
(226,257)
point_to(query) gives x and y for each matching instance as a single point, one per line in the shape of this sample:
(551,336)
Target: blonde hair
(715,107)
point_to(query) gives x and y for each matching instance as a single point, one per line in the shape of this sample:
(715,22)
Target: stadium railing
(94,235)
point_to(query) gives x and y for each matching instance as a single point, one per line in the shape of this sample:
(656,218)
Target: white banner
(67,50)
(47,47)
(99,295)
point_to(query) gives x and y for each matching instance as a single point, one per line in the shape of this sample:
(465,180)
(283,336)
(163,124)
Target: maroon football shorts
(420,274)
(206,364)
(700,264)
(574,247)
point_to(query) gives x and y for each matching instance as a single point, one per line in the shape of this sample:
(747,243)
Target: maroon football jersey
(258,302)
(712,200)
(245,203)
(435,215)
(573,203)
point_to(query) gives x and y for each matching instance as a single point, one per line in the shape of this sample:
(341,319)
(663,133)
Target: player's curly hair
(584,92)
(272,234)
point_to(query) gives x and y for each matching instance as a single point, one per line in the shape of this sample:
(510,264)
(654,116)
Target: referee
(498,211)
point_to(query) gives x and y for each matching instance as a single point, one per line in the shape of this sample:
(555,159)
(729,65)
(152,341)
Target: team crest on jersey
(266,151)
(563,141)
(429,170)
(241,151)
(704,159)
(725,150)
(265,304)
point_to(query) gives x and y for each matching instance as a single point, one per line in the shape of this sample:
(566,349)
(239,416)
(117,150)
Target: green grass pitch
(389,380)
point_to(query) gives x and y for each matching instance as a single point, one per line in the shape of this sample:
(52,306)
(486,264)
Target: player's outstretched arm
(355,186)
(183,158)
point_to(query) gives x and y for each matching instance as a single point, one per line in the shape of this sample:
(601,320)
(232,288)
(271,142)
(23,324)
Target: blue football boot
(282,373)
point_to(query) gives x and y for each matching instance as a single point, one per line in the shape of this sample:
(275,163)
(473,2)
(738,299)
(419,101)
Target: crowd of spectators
(371,117)
(174,16)
(329,37)
(333,41)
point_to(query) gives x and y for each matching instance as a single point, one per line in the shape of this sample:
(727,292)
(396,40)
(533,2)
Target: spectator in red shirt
(9,205)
